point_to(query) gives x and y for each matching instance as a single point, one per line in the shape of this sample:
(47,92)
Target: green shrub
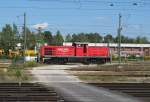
(30,64)
(114,58)
(147,58)
(132,57)
(15,66)
(4,57)
(23,65)
(18,73)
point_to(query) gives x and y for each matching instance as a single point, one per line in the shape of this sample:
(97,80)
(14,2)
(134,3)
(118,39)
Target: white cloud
(41,26)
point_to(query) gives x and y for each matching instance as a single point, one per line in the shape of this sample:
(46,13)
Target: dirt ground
(73,89)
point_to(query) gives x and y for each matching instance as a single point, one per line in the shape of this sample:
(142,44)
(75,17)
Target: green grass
(16,72)
(102,78)
(112,79)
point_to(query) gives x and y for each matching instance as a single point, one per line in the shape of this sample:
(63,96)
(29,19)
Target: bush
(129,58)
(23,65)
(147,58)
(18,73)
(132,57)
(4,57)
(30,64)
(18,59)
(114,58)
(15,66)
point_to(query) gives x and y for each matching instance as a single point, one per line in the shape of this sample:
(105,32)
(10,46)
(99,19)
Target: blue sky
(72,16)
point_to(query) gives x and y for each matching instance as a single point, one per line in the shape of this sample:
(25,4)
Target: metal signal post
(119,39)
(25,35)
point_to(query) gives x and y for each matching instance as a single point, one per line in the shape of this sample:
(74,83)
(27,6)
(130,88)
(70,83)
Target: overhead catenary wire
(137,3)
(82,7)
(50,8)
(106,2)
(100,1)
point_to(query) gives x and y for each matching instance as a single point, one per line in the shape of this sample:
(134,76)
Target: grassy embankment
(131,72)
(15,72)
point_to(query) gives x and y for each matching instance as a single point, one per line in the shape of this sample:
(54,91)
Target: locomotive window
(84,49)
(48,51)
(79,45)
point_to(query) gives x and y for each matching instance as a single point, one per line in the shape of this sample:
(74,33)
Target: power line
(100,1)
(81,6)
(110,3)
(50,8)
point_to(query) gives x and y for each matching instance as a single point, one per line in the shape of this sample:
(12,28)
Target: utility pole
(39,36)
(39,43)
(25,35)
(119,38)
(110,54)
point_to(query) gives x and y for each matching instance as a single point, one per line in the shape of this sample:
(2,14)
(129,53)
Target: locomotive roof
(80,42)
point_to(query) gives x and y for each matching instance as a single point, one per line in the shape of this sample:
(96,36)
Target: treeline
(90,37)
(98,38)
(10,37)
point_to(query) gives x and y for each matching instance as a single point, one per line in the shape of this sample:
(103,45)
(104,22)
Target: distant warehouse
(126,49)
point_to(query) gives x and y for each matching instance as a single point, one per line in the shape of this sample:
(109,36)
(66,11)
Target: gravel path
(72,89)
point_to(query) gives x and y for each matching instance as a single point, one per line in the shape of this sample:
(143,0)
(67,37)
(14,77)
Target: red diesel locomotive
(78,52)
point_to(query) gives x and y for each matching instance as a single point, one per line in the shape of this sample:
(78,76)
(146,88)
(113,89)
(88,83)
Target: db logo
(65,50)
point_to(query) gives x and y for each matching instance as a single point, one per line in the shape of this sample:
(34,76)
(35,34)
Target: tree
(17,37)
(141,40)
(7,39)
(144,40)
(15,29)
(58,39)
(131,40)
(87,37)
(68,38)
(74,38)
(108,38)
(95,38)
(31,40)
(124,39)
(47,37)
(82,37)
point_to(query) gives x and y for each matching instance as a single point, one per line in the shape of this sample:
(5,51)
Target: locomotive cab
(81,49)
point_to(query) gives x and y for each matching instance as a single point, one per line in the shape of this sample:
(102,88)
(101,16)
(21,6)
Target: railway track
(27,92)
(138,90)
